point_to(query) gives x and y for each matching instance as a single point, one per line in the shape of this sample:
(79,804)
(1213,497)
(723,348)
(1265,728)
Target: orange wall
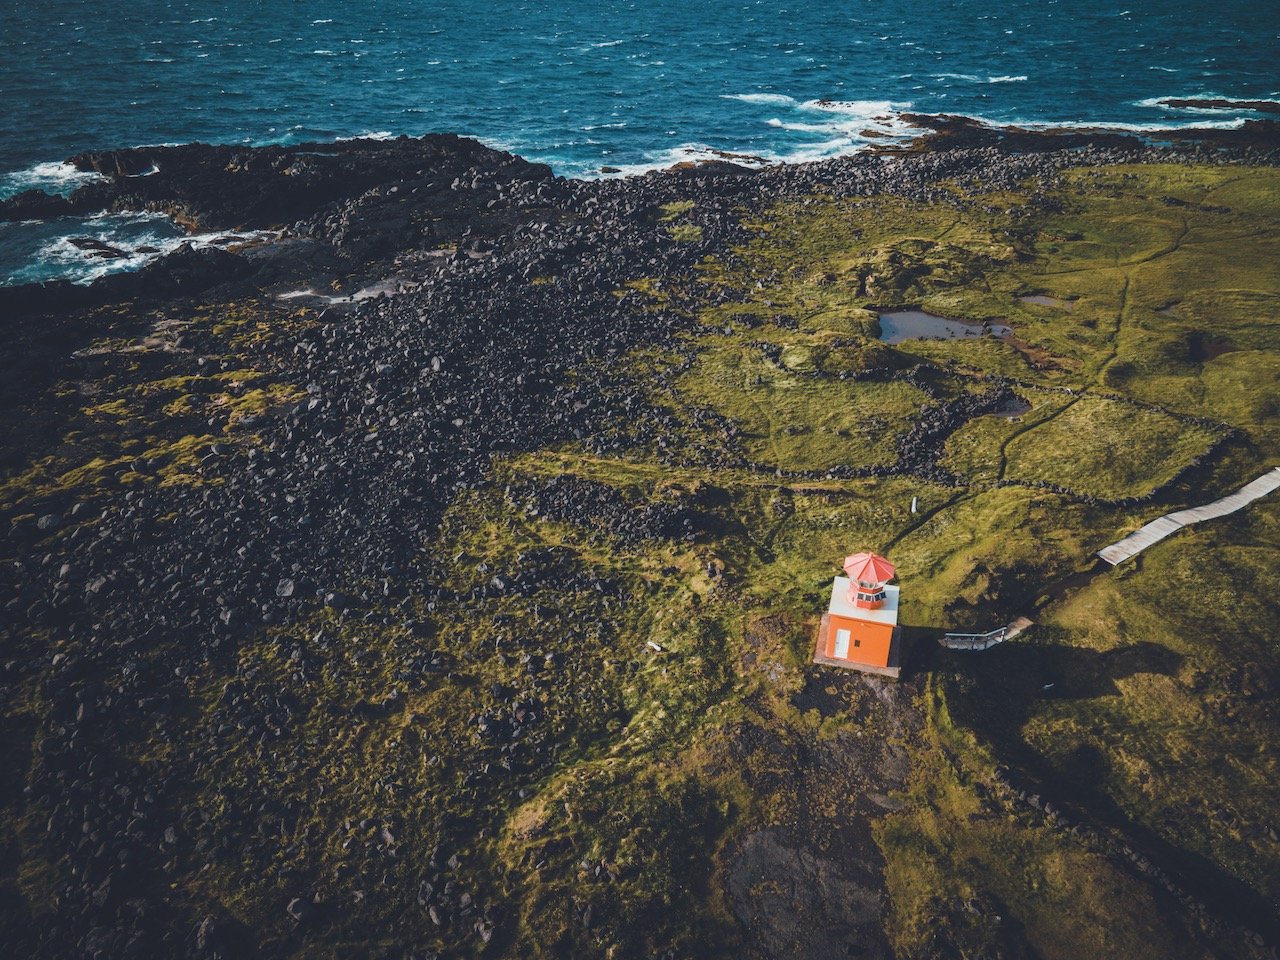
(874,638)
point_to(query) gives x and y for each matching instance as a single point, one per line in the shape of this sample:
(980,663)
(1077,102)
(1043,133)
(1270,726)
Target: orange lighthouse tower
(860,629)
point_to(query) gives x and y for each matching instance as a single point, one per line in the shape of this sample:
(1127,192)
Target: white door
(842,644)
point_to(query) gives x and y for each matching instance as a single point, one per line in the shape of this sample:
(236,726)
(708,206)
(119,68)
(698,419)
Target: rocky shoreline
(368,200)
(509,297)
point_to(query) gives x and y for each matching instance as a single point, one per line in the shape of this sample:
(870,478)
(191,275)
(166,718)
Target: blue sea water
(581,85)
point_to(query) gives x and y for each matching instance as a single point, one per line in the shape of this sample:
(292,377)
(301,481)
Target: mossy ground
(126,419)
(1178,738)
(1106,448)
(793,416)
(662,688)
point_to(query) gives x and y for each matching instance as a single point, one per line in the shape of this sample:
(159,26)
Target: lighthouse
(860,629)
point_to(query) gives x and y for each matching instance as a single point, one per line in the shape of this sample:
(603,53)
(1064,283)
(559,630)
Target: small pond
(900,325)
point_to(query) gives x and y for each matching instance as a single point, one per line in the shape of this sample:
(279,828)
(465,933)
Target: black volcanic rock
(337,209)
(38,205)
(231,187)
(959,132)
(953,132)
(97,248)
(1218,103)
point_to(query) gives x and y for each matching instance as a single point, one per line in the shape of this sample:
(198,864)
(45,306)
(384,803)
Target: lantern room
(868,574)
(860,629)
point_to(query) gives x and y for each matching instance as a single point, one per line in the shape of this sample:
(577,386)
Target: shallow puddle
(900,325)
(1042,300)
(1013,408)
(1203,349)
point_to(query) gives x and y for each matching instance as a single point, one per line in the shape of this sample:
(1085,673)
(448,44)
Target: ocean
(582,86)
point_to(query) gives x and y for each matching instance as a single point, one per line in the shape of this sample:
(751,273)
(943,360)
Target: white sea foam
(778,99)
(850,126)
(370,135)
(839,138)
(1151,127)
(654,160)
(56,177)
(122,232)
(799,127)
(825,129)
(608,43)
(119,221)
(973,78)
(856,108)
(1156,101)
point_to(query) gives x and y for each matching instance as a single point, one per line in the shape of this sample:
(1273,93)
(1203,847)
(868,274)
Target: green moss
(613,861)
(1105,448)
(793,419)
(970,875)
(977,449)
(600,715)
(112,408)
(675,209)
(255,402)
(146,405)
(1171,724)
(685,232)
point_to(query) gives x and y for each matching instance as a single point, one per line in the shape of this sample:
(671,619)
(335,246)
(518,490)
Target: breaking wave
(61,178)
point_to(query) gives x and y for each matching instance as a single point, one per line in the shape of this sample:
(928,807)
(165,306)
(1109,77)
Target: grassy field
(1186,749)
(1161,301)
(794,417)
(1105,448)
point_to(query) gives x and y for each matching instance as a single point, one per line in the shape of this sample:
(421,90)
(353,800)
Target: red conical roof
(869,568)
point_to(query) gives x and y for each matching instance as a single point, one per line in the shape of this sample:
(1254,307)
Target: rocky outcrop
(948,132)
(1219,103)
(226,187)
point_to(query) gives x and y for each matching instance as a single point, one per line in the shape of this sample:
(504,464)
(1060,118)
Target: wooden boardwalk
(1130,546)
(1170,523)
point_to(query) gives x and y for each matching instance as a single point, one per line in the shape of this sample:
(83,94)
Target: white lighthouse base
(893,669)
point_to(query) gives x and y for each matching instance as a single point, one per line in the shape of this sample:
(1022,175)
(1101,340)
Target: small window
(857,642)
